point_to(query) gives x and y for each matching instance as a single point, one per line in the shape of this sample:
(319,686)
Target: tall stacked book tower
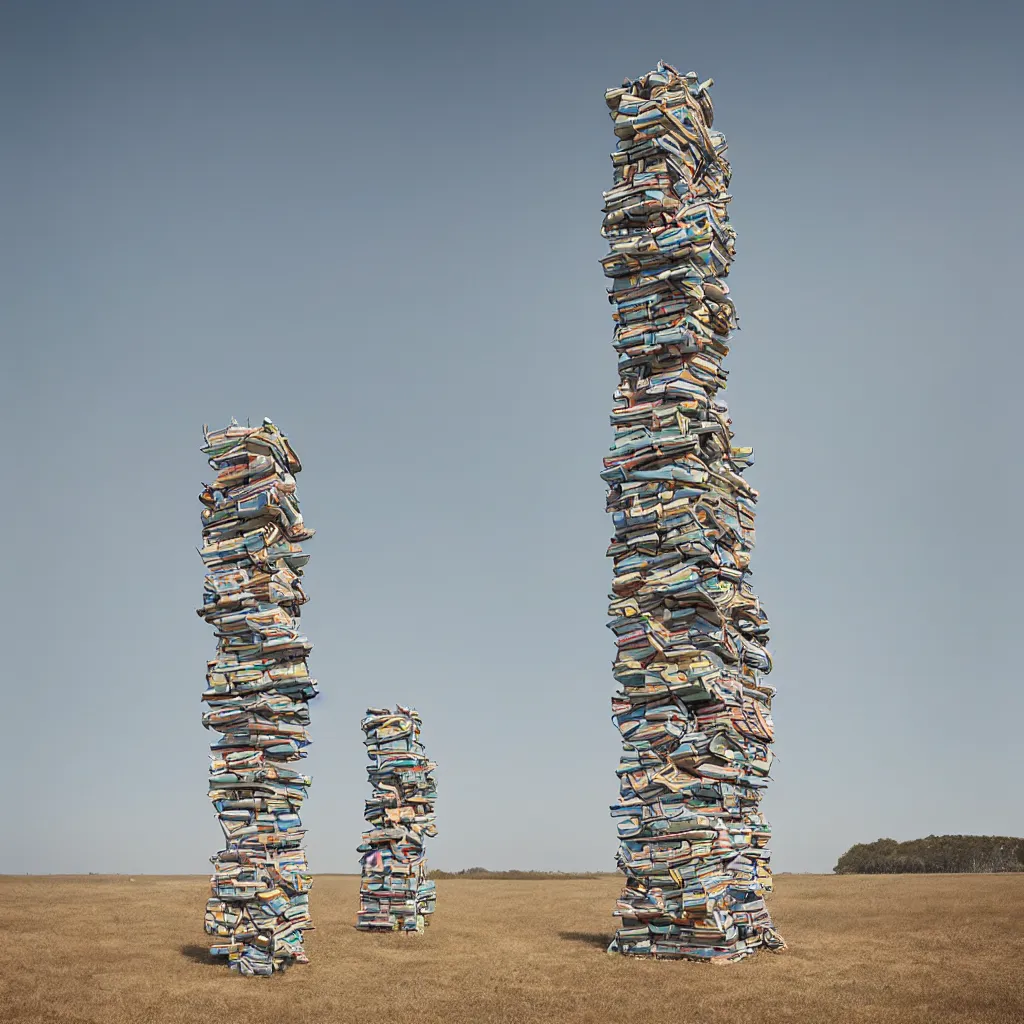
(395,893)
(257,697)
(692,706)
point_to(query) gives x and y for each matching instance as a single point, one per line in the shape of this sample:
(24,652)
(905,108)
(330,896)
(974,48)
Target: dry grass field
(893,949)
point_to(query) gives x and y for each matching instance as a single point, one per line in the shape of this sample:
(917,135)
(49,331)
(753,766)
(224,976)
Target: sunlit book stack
(257,697)
(692,706)
(395,893)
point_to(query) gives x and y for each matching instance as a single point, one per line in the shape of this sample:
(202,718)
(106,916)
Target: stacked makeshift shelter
(692,708)
(395,893)
(257,697)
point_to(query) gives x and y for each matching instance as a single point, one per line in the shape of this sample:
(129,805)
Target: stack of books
(395,893)
(693,709)
(257,697)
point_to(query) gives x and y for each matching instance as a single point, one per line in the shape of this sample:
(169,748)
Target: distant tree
(933,854)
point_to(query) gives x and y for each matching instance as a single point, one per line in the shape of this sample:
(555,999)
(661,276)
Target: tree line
(933,855)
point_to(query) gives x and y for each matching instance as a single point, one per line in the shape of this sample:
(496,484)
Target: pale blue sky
(381,228)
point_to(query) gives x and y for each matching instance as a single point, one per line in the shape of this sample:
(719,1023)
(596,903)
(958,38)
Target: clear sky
(378,224)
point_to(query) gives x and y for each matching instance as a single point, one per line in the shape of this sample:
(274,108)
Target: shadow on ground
(201,955)
(596,939)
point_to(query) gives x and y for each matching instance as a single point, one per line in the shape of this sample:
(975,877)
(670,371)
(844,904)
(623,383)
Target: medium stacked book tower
(394,892)
(258,696)
(692,706)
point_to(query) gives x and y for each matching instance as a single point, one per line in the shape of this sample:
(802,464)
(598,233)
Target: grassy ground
(888,949)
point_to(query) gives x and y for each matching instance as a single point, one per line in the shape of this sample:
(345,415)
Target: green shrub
(934,854)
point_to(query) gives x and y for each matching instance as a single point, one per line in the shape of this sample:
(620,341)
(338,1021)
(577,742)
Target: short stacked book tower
(395,893)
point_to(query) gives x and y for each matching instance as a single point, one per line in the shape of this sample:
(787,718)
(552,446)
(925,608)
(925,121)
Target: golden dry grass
(893,949)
